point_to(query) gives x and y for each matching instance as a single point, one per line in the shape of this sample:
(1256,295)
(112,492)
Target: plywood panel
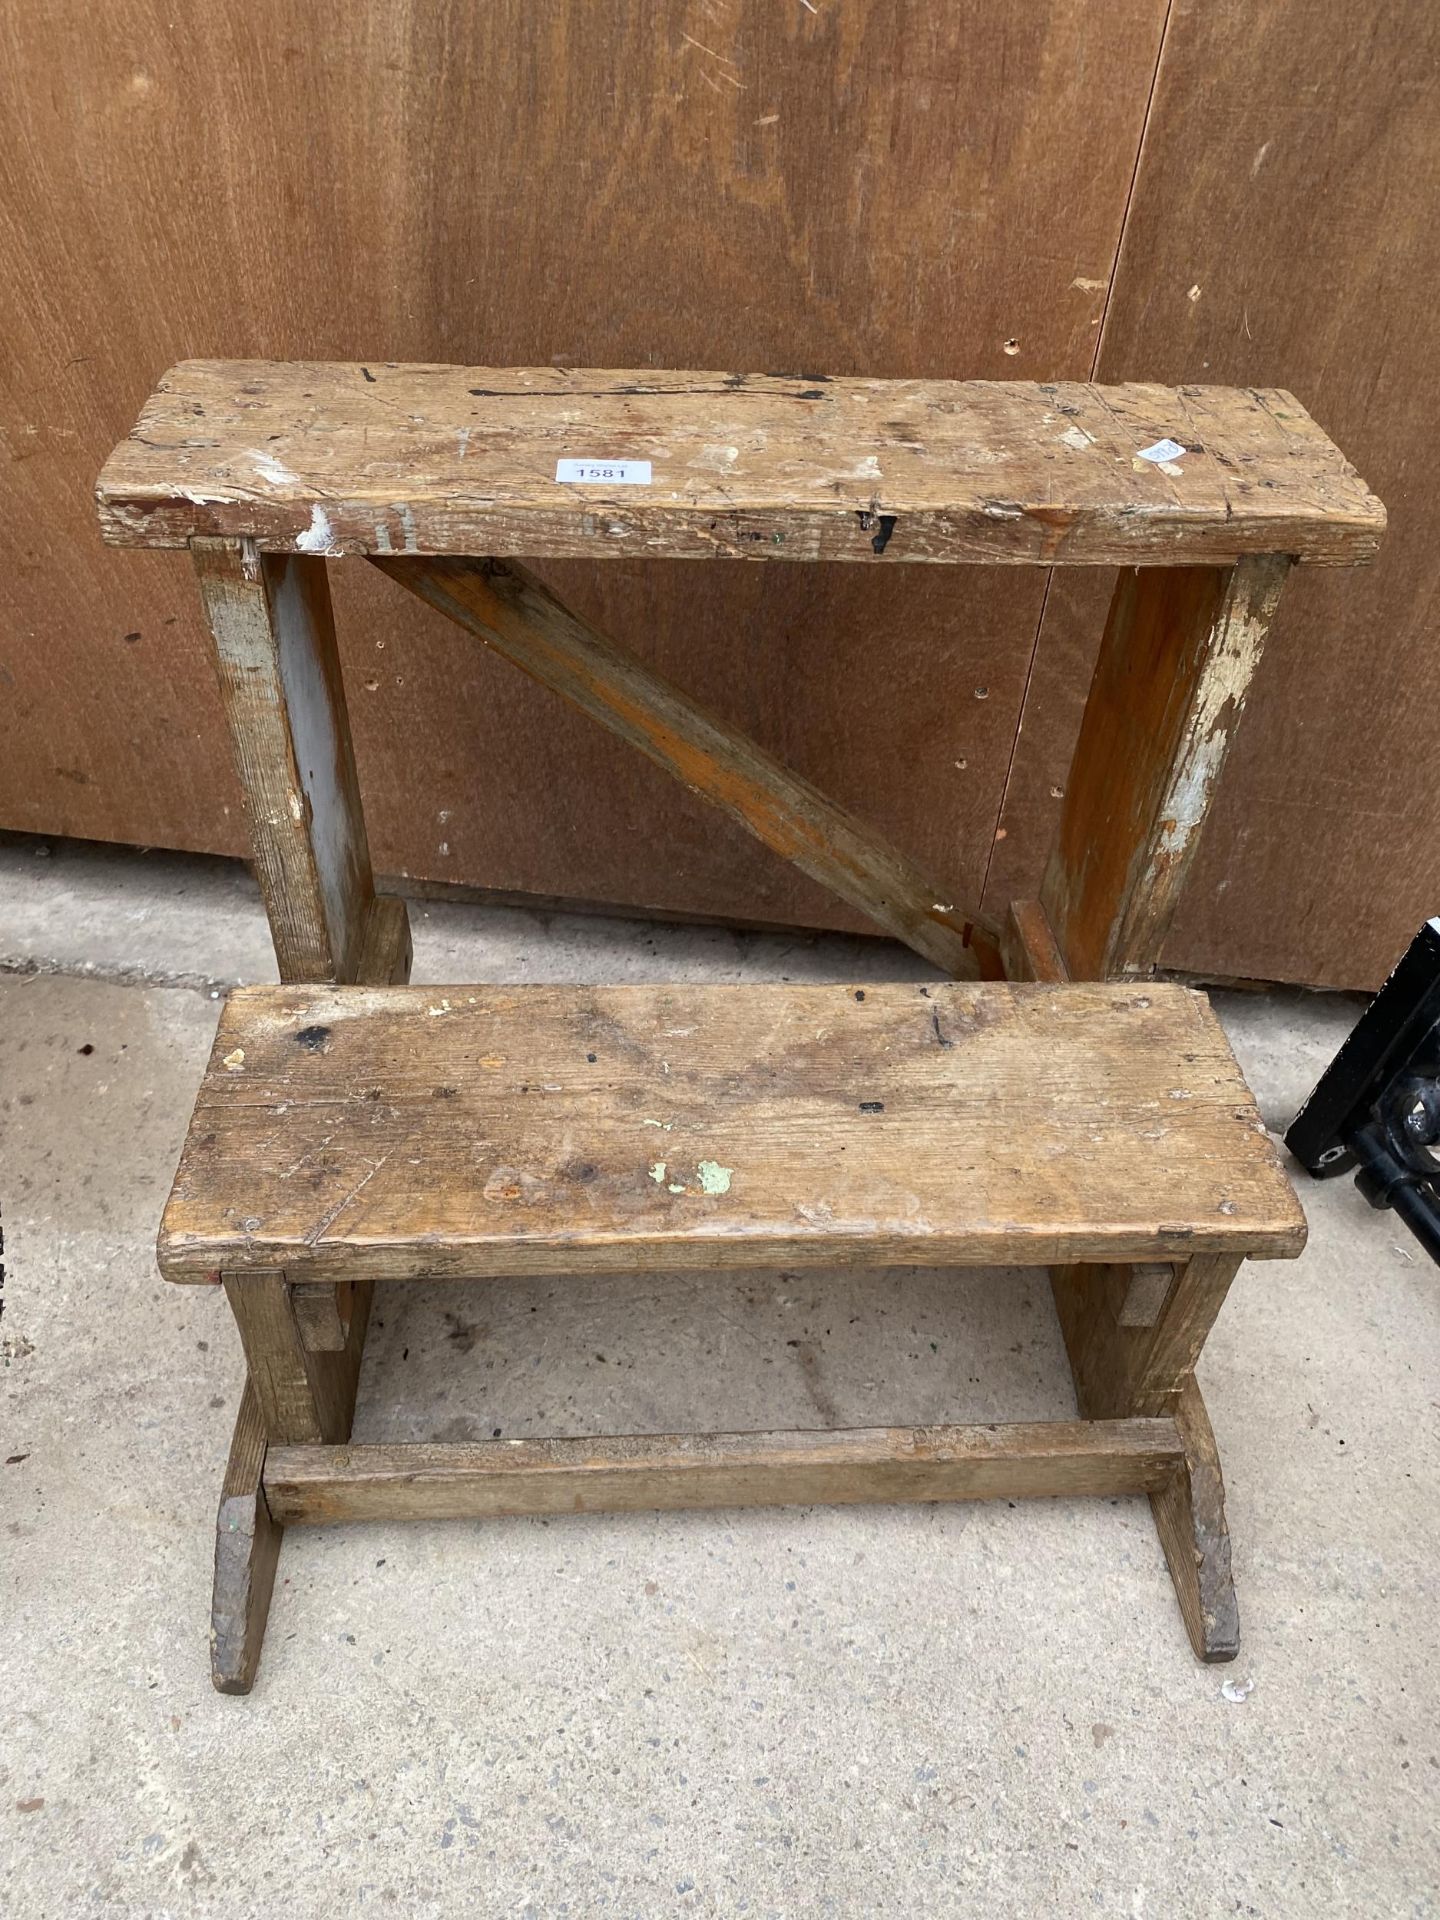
(1283,230)
(905,190)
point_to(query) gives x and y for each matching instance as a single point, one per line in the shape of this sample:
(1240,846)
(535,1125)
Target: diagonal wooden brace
(511,611)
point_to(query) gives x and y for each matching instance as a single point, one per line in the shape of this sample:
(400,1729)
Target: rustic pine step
(354,1133)
(326,458)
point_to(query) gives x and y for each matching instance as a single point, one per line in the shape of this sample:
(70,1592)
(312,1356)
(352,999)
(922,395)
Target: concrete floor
(968,1710)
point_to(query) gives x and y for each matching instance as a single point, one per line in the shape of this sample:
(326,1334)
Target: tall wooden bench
(1046,1105)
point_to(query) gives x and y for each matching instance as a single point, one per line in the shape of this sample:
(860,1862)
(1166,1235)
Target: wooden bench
(1091,1121)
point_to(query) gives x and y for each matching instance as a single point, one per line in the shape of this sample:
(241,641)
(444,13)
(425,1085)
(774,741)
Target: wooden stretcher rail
(327,458)
(627,1473)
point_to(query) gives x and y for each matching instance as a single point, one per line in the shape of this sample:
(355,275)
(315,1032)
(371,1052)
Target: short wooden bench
(353,1129)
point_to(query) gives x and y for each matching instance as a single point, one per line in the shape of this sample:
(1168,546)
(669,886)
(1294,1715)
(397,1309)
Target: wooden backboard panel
(1283,229)
(907,190)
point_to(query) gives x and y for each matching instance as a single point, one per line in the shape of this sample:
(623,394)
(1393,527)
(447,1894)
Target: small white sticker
(604,473)
(1162,451)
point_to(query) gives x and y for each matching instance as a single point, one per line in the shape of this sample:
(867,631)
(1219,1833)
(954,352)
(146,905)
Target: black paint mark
(882,525)
(872,1106)
(313,1039)
(728,387)
(368,375)
(89,1047)
(941,1039)
(859,993)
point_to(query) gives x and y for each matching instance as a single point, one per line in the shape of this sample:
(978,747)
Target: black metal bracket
(1377,1106)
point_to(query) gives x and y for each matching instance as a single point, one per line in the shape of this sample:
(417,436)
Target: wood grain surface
(1169,690)
(279,675)
(353,1133)
(635,1472)
(909,191)
(327,458)
(247,1551)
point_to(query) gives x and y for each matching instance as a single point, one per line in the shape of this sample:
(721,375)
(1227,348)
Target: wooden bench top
(350,459)
(354,1132)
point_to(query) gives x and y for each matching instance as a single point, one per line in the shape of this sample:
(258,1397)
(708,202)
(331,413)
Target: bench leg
(305,1383)
(1133,1335)
(280,684)
(247,1549)
(303,1354)
(1190,1519)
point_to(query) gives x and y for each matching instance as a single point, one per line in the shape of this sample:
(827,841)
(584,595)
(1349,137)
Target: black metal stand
(1377,1106)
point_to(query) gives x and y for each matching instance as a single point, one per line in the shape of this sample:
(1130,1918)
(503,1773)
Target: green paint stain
(714,1178)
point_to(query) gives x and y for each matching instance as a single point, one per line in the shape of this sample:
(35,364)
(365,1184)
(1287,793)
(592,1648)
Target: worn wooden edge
(632,1473)
(1189,1512)
(519,617)
(247,1551)
(191,1259)
(1166,537)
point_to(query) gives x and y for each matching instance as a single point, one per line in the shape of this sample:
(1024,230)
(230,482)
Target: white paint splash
(319,536)
(269,468)
(718,459)
(1233,660)
(657,1173)
(714,1178)
(1077,438)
